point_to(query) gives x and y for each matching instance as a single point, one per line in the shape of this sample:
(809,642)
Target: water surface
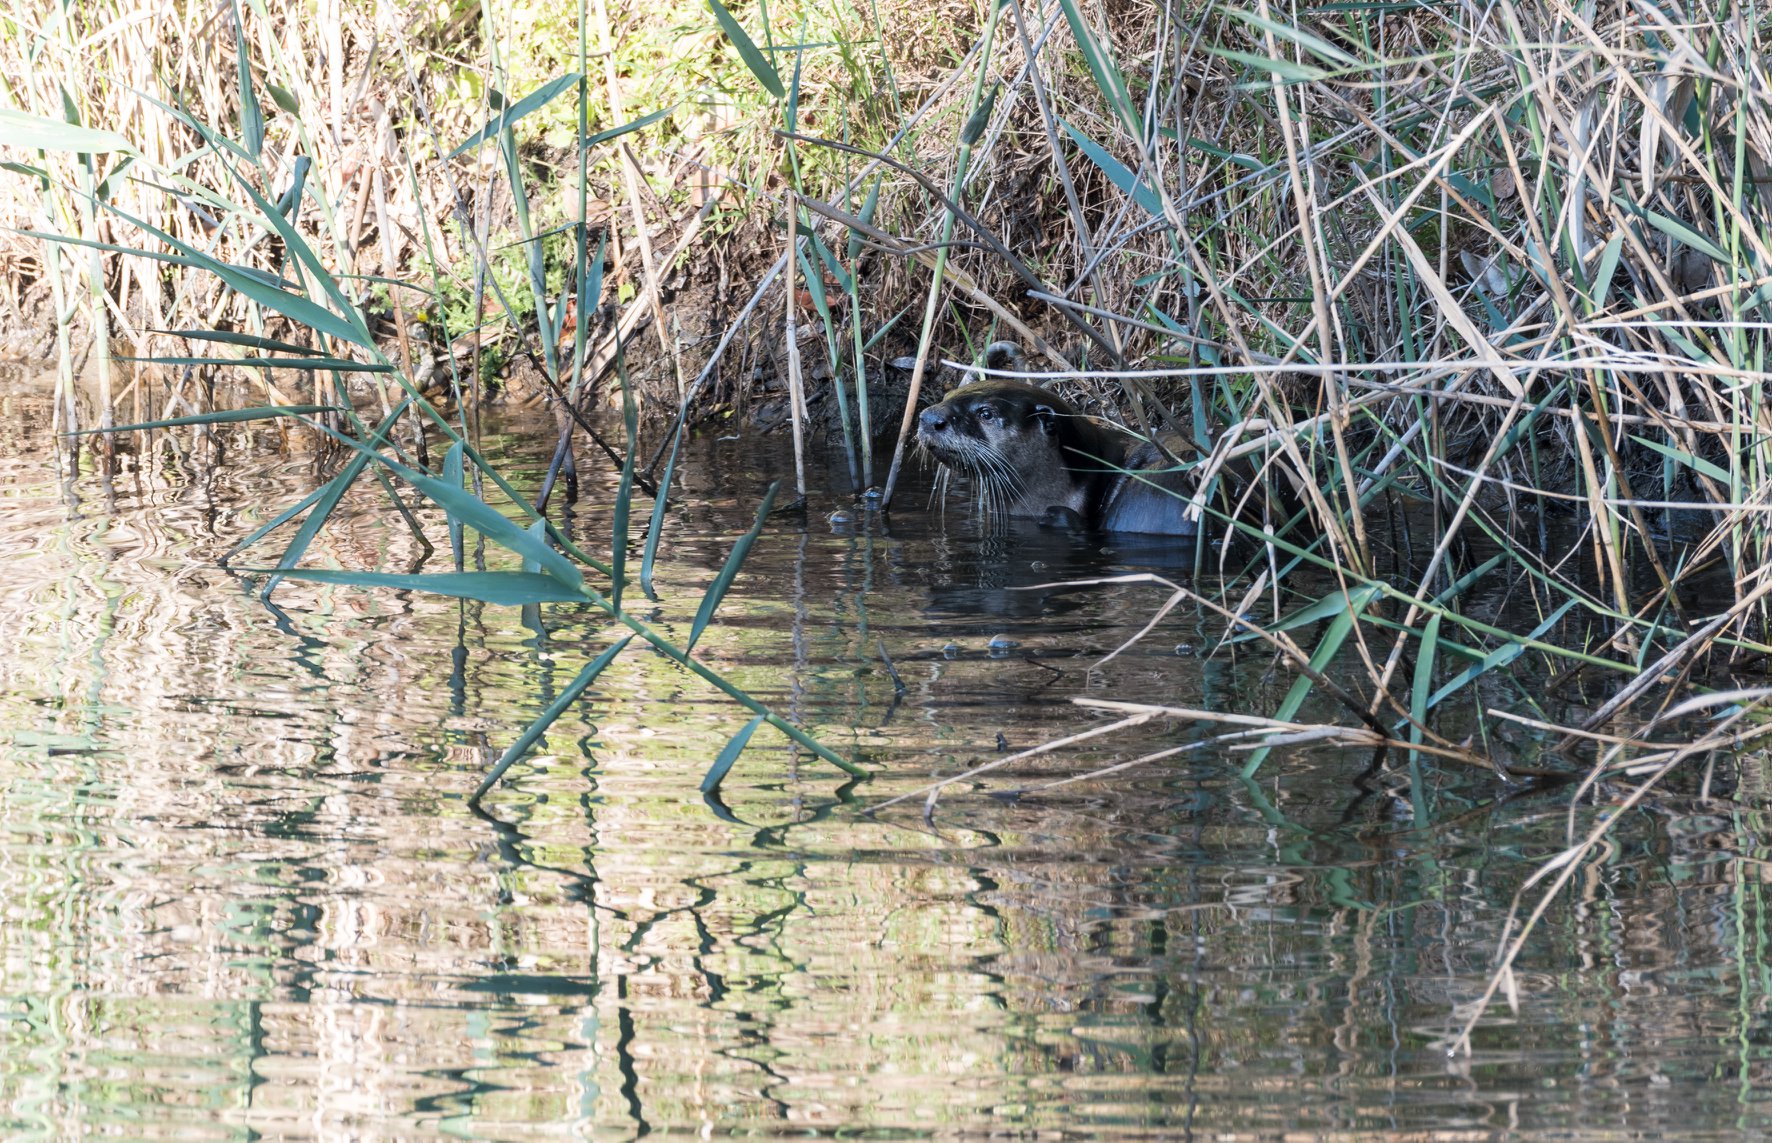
(244,894)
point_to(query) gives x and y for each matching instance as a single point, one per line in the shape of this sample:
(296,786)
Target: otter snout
(934,419)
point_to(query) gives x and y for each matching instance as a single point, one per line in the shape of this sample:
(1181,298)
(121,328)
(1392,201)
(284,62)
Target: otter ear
(1047,417)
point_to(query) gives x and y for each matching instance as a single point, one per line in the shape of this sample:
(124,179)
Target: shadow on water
(245,894)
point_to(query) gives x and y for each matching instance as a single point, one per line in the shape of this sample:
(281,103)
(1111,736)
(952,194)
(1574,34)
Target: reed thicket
(1501,272)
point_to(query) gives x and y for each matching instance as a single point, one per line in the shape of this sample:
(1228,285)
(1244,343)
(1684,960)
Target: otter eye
(983,413)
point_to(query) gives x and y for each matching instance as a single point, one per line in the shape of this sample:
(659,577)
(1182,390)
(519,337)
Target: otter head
(994,428)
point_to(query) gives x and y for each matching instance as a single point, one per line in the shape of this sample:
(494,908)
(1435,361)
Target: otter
(1035,455)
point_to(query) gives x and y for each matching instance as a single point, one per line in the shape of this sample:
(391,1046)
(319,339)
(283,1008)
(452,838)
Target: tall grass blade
(532,547)
(282,221)
(483,518)
(624,490)
(790,112)
(1602,283)
(973,129)
(1315,45)
(243,280)
(313,497)
(1289,71)
(273,524)
(330,364)
(1696,463)
(641,123)
(1678,231)
(869,207)
(1496,659)
(828,258)
(821,302)
(1424,676)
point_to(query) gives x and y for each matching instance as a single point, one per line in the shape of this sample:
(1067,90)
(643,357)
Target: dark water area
(244,893)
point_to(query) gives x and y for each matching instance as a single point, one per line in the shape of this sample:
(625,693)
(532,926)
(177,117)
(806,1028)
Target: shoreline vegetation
(1503,272)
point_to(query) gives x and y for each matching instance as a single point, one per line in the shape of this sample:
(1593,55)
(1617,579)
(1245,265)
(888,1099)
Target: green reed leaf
(283,98)
(506,589)
(534,101)
(1108,79)
(1346,613)
(710,602)
(242,279)
(868,208)
(338,364)
(1117,172)
(548,717)
(1424,675)
(1676,230)
(280,219)
(229,337)
(729,755)
(1498,658)
(331,493)
(454,471)
(1695,463)
(833,267)
(313,497)
(1602,283)
(973,129)
(1289,70)
(222,417)
(38,133)
(1315,45)
(747,51)
(655,526)
(252,117)
(533,548)
(814,285)
(790,113)
(639,124)
(624,491)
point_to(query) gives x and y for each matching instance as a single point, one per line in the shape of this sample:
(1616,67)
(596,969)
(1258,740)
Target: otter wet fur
(1033,454)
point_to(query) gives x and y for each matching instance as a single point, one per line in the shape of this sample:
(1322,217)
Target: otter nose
(933,419)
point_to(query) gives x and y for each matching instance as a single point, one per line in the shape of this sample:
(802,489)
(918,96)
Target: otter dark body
(1034,454)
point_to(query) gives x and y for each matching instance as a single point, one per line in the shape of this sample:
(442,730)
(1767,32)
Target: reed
(1490,287)
(325,338)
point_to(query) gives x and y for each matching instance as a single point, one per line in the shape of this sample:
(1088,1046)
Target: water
(243,892)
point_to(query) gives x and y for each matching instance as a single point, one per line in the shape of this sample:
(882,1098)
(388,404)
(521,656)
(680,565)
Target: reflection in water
(243,892)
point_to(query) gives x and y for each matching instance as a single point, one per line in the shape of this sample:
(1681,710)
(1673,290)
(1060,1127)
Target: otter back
(1151,496)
